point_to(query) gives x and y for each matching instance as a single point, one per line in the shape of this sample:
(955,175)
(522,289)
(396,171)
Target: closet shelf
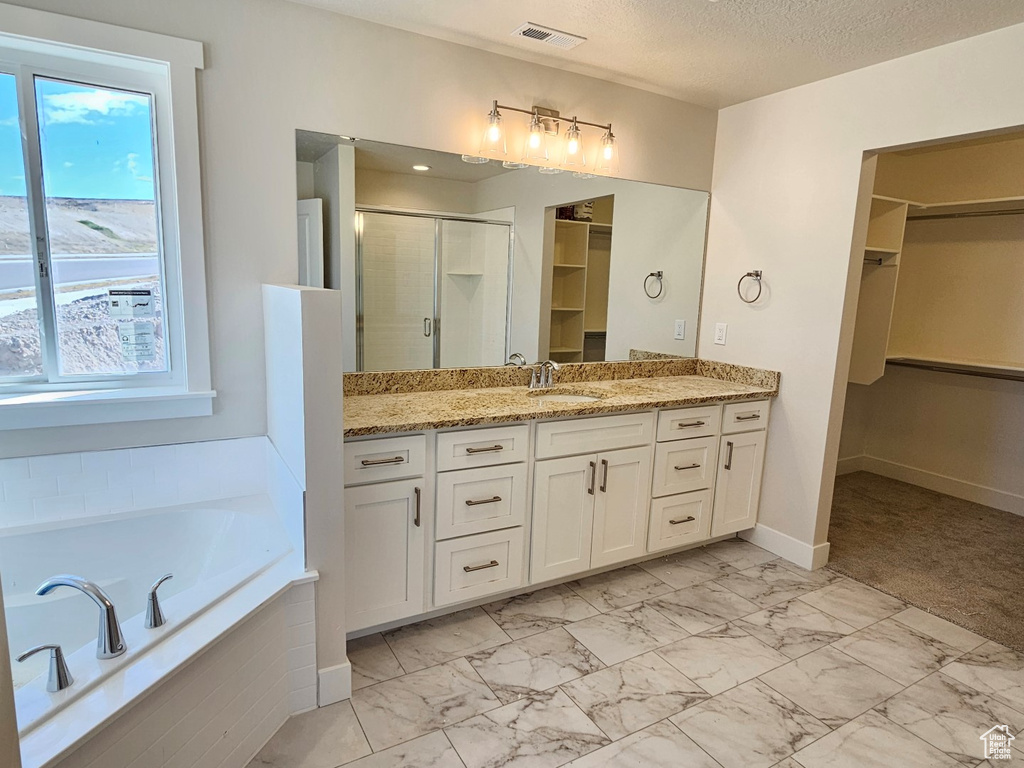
(567,309)
(464,274)
(563,350)
(973,368)
(890,251)
(994,205)
(570,266)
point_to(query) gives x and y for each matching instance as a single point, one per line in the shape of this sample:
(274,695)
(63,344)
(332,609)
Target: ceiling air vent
(548,36)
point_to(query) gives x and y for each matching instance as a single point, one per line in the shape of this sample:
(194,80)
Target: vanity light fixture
(536,148)
(608,154)
(493,142)
(574,157)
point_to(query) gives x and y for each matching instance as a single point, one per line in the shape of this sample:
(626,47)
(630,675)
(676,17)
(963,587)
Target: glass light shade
(536,148)
(549,170)
(573,155)
(513,165)
(474,160)
(493,142)
(608,155)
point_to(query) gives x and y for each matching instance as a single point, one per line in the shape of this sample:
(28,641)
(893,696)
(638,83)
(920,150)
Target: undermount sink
(556,397)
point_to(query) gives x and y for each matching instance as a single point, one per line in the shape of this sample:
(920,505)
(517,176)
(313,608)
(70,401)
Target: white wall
(273,67)
(785,198)
(304,180)
(10,754)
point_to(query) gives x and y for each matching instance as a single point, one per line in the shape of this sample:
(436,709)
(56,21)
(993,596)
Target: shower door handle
(427,326)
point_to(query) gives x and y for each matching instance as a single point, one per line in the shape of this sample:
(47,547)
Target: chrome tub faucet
(109,642)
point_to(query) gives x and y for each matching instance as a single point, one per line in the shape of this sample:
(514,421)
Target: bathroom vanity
(456,496)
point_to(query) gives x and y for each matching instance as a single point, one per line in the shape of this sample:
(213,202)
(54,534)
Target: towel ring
(754,275)
(661,286)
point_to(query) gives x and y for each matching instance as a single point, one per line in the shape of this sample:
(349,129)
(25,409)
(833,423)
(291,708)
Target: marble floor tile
(372,661)
(949,715)
(939,628)
(444,638)
(662,745)
(794,628)
(703,606)
(789,762)
(535,663)
(617,589)
(430,751)
(634,694)
(721,658)
(418,703)
(856,604)
(323,738)
(831,686)
(768,584)
(750,726)
(684,569)
(738,553)
(544,730)
(993,669)
(872,740)
(822,576)
(897,651)
(539,611)
(627,632)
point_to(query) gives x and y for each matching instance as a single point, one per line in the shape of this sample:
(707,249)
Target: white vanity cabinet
(740,462)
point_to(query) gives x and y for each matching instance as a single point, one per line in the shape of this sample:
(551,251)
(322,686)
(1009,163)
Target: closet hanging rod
(964,214)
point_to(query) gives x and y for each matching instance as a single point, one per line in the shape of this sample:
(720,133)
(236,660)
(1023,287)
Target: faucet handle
(60,676)
(155,616)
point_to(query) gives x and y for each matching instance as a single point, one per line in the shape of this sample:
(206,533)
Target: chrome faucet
(516,358)
(154,615)
(547,373)
(59,676)
(109,641)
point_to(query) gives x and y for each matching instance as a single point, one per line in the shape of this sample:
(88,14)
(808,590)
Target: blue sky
(96,143)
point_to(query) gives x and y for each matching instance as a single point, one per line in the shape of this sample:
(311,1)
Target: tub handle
(155,616)
(59,677)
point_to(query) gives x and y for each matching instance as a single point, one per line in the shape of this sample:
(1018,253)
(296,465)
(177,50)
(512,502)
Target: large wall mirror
(452,264)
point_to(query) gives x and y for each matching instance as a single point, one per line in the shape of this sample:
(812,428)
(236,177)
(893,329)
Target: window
(96,165)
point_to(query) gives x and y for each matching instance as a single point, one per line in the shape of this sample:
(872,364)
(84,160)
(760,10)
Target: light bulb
(608,151)
(574,156)
(574,146)
(534,140)
(493,142)
(494,132)
(536,150)
(608,160)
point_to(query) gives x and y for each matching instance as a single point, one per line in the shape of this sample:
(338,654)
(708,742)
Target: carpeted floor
(959,560)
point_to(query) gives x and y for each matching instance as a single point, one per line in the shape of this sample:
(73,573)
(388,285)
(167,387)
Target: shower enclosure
(432,291)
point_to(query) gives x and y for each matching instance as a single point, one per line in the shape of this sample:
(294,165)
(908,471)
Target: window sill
(29,410)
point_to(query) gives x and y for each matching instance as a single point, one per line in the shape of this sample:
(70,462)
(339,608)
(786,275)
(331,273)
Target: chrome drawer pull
(491,449)
(419,498)
(478,502)
(752,417)
(692,466)
(684,520)
(593,478)
(688,424)
(379,462)
(471,568)
(728,458)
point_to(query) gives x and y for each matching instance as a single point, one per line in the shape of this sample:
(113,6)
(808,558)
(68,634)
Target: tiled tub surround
(717,657)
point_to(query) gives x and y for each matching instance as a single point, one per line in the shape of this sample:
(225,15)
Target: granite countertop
(415,411)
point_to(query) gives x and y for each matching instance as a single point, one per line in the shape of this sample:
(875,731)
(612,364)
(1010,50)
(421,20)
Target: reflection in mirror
(448,264)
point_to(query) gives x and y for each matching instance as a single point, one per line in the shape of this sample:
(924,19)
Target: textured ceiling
(710,53)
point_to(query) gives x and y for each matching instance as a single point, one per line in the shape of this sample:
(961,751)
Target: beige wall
(785,199)
(422,193)
(275,66)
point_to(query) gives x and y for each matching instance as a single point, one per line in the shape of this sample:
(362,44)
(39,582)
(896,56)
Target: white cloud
(88,106)
(68,165)
(7,122)
(133,167)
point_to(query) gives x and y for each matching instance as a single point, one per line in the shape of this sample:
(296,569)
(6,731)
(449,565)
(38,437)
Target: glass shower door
(396,283)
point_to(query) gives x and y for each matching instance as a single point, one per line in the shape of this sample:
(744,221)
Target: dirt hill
(81,226)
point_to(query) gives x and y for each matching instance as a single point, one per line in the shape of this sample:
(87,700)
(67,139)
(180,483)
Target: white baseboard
(850,464)
(805,555)
(961,489)
(335,684)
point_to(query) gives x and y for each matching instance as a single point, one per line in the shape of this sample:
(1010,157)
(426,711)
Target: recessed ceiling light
(421,167)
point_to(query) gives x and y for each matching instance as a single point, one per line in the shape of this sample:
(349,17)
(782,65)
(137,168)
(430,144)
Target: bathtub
(212,549)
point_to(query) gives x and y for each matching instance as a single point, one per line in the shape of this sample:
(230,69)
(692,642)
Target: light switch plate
(680,330)
(721,329)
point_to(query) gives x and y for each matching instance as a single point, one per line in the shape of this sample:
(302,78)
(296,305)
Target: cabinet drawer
(482,447)
(682,423)
(602,433)
(745,417)
(478,500)
(679,520)
(684,465)
(477,566)
(392,458)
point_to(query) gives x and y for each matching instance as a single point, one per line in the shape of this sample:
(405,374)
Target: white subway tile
(162,493)
(16,513)
(57,464)
(84,483)
(13,469)
(32,488)
(105,502)
(59,508)
(107,461)
(153,456)
(133,478)
(303,700)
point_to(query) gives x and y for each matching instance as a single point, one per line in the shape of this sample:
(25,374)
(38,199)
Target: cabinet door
(738,489)
(563,517)
(620,506)
(384,549)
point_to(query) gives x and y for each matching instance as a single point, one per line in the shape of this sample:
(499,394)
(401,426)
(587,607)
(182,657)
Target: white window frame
(72,49)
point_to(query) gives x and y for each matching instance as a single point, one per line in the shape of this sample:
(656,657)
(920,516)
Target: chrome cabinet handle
(593,478)
(478,502)
(426,327)
(751,417)
(154,615)
(419,494)
(728,457)
(604,476)
(379,462)
(59,676)
(684,520)
(471,568)
(490,449)
(689,424)
(692,466)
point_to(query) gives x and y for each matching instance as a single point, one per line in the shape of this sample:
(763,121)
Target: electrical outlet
(680,331)
(721,329)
